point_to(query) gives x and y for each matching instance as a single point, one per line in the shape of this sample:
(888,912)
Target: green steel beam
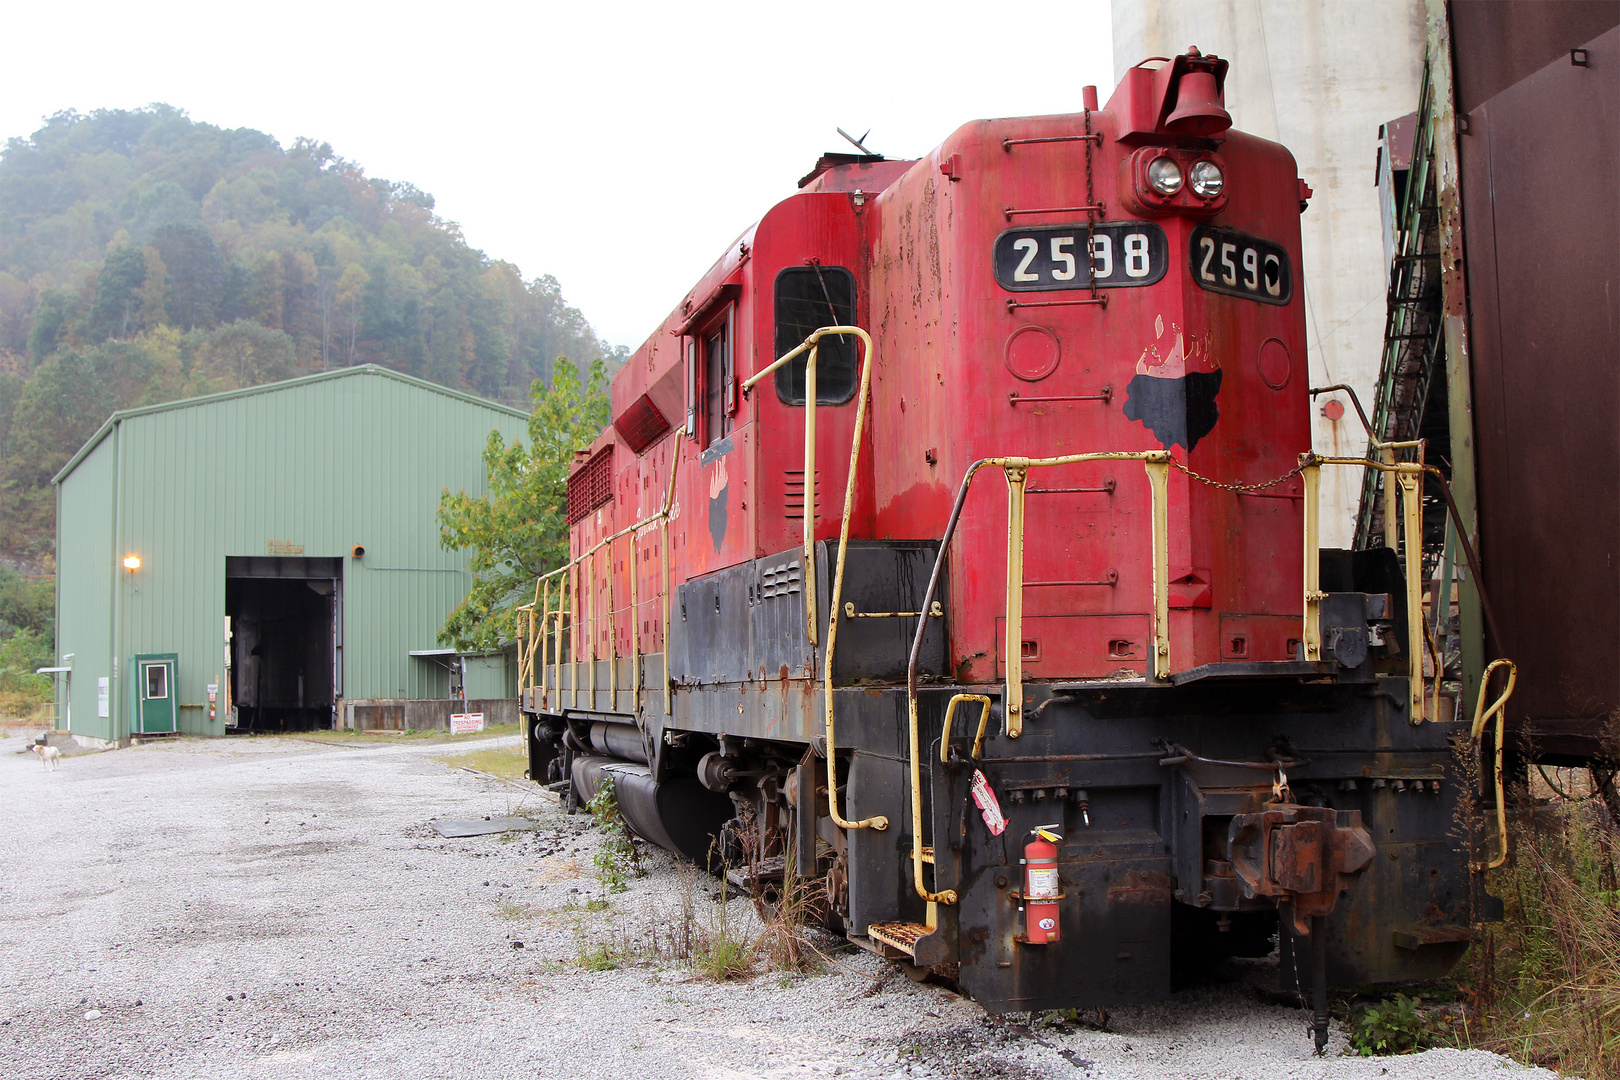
(1454,300)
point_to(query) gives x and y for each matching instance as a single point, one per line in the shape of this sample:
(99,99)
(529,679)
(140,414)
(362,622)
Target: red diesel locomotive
(952,548)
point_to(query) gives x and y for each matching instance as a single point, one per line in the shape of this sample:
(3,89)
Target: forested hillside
(146,257)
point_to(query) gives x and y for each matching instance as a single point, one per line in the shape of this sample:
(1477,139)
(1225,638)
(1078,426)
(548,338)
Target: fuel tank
(678,814)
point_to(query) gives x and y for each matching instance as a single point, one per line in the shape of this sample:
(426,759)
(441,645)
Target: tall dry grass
(1544,983)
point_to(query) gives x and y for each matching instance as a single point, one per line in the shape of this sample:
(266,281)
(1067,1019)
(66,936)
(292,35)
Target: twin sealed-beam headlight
(1205,178)
(1177,179)
(1164,175)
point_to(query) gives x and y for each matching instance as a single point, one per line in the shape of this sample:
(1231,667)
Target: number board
(1238,265)
(1038,258)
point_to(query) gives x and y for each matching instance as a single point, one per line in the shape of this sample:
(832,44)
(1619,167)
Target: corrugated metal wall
(86,563)
(323,463)
(491,677)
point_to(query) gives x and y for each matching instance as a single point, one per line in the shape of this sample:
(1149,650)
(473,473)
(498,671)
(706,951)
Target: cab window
(809,297)
(714,345)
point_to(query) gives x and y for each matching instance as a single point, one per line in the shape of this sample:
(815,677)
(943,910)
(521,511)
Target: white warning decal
(985,798)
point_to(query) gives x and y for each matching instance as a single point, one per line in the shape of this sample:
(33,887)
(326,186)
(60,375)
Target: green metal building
(267,557)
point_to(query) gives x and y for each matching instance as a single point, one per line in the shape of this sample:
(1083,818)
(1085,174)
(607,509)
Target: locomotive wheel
(933,974)
(837,889)
(813,908)
(767,897)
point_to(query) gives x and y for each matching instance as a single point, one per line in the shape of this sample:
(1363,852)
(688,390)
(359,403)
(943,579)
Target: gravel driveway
(274,908)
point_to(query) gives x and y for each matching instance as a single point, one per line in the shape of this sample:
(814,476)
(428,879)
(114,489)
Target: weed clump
(720,950)
(617,858)
(784,944)
(597,957)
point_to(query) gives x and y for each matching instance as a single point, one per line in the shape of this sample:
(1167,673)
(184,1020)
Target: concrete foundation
(433,714)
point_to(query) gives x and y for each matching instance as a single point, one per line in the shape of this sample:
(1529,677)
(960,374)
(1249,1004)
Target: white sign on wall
(463,723)
(103,696)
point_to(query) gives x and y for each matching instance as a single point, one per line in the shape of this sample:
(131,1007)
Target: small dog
(48,756)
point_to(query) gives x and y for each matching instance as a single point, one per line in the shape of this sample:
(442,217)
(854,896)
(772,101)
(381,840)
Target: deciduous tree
(515,531)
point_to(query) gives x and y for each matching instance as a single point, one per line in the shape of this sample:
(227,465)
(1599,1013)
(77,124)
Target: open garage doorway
(286,641)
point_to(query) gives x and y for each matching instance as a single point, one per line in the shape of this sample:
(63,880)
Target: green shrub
(1393,1026)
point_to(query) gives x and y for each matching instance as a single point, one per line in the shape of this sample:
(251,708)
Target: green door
(154,693)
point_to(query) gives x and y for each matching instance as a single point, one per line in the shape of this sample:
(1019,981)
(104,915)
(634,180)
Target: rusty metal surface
(1497,43)
(1305,855)
(902,936)
(1540,176)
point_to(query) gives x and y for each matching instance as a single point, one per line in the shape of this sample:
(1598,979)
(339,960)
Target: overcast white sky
(617,147)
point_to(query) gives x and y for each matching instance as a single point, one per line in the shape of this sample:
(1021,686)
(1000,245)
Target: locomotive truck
(952,553)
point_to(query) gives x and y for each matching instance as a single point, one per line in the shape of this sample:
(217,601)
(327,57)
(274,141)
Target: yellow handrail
(950,713)
(947,896)
(1157,465)
(1482,716)
(813,345)
(1016,469)
(1408,477)
(587,560)
(878,821)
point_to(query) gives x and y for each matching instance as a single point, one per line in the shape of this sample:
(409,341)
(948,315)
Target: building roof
(249,391)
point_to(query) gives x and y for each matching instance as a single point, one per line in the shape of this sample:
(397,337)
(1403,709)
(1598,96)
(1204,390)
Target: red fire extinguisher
(1042,890)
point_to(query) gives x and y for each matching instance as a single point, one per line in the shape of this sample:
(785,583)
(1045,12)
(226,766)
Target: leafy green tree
(62,404)
(115,307)
(516,530)
(196,273)
(27,629)
(13,377)
(53,322)
(21,654)
(241,354)
(26,603)
(16,312)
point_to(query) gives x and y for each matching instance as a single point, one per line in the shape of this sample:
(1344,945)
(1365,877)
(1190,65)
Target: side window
(809,297)
(714,347)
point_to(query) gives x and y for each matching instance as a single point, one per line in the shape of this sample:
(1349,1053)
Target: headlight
(1164,176)
(1206,179)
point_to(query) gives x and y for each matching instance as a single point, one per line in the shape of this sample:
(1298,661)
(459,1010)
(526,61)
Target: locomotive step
(893,939)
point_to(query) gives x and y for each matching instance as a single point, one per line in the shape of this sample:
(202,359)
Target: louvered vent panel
(591,486)
(793,494)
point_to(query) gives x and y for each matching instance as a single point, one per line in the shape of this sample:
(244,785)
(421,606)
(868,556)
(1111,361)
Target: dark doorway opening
(286,641)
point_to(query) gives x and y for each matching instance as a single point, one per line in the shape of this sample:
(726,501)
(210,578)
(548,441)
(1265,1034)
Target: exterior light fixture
(132,563)
(1164,175)
(1207,179)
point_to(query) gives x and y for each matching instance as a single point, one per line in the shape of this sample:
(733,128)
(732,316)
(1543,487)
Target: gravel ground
(275,908)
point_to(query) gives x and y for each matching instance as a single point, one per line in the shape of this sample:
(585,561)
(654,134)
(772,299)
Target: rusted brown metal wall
(1540,180)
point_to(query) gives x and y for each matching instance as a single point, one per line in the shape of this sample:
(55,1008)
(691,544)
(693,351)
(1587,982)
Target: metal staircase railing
(1412,329)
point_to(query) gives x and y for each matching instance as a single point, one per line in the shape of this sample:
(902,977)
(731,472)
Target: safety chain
(1293,954)
(1289,475)
(1091,216)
